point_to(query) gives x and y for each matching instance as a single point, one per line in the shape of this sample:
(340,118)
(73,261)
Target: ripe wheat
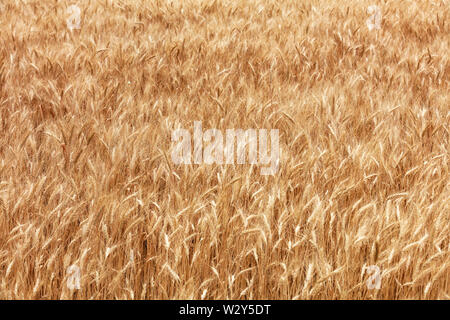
(88,187)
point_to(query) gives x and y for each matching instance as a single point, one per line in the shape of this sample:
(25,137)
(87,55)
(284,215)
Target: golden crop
(87,181)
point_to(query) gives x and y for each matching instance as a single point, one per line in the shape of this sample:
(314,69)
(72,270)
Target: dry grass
(86,177)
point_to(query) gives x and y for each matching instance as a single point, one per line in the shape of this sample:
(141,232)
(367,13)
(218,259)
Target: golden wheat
(86,118)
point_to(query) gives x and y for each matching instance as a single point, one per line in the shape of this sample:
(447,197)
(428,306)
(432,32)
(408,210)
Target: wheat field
(88,190)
